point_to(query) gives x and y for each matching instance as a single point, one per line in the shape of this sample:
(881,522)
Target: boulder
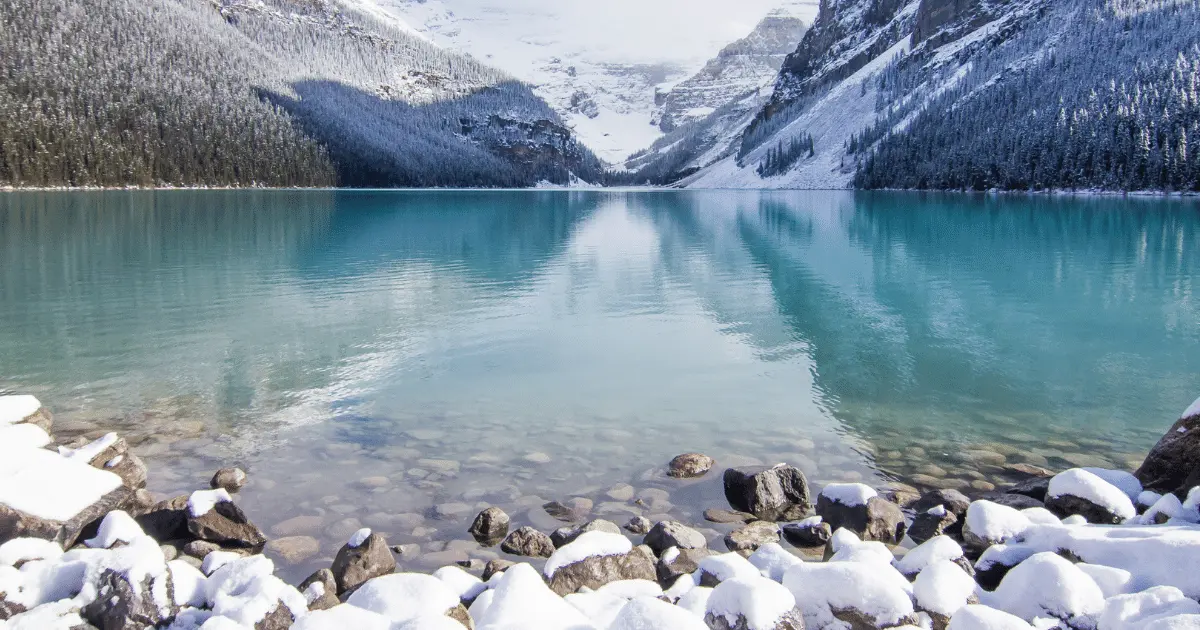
(811,532)
(229,479)
(214,517)
(123,604)
(490,526)
(1175,459)
(941,590)
(858,509)
(320,590)
(1078,491)
(752,603)
(675,562)
(280,618)
(666,534)
(365,556)
(936,521)
(778,493)
(528,542)
(406,597)
(751,536)
(566,535)
(954,501)
(595,559)
(689,466)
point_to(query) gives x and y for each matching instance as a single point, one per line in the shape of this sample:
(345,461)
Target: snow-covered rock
(343,617)
(874,595)
(986,618)
(753,603)
(520,599)
(1048,585)
(1172,460)
(24,409)
(363,557)
(117,526)
(988,523)
(213,516)
(858,507)
(595,559)
(647,613)
(1077,491)
(1136,610)
(937,549)
(942,589)
(770,493)
(715,569)
(403,597)
(467,586)
(773,561)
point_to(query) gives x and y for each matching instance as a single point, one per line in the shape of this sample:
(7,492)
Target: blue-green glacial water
(370,355)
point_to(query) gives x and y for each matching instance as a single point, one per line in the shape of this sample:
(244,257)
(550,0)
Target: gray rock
(666,534)
(596,571)
(1066,505)
(620,492)
(953,500)
(123,605)
(528,542)
(928,524)
(792,620)
(751,536)
(1015,501)
(1173,463)
(494,566)
(639,525)
(231,479)
(200,549)
(566,535)
(717,515)
(672,565)
(1035,488)
(166,520)
(328,597)
(355,565)
(771,494)
(807,535)
(227,525)
(9,609)
(877,519)
(860,620)
(689,466)
(490,526)
(561,512)
(278,619)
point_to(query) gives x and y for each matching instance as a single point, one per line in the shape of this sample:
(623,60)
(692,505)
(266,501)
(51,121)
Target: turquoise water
(551,344)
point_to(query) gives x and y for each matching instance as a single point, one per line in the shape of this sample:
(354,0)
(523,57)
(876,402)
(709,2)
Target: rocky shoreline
(84,544)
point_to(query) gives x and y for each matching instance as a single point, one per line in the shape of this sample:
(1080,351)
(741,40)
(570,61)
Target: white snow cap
(601,608)
(595,543)
(405,596)
(1148,498)
(929,552)
(519,590)
(995,523)
(875,590)
(26,549)
(50,486)
(631,589)
(117,525)
(760,601)
(246,591)
(647,613)
(14,409)
(1112,581)
(726,566)
(465,585)
(1119,478)
(1192,410)
(870,551)
(850,494)
(943,587)
(772,560)
(203,501)
(23,436)
(695,601)
(1048,585)
(189,584)
(1135,611)
(842,537)
(359,538)
(977,617)
(1040,516)
(1168,505)
(343,617)
(1078,482)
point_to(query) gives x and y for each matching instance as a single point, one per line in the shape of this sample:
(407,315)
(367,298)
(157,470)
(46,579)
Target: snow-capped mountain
(599,65)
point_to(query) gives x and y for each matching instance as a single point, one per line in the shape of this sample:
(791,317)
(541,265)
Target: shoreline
(772,530)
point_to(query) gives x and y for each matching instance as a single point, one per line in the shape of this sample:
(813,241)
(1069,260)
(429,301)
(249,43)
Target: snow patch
(849,494)
(759,601)
(117,526)
(1078,482)
(932,551)
(943,588)
(203,501)
(14,409)
(588,544)
(359,538)
(49,486)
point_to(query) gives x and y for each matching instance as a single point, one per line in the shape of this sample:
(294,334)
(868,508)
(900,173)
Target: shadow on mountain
(494,137)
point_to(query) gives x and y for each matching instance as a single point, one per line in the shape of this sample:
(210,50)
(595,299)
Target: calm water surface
(368,356)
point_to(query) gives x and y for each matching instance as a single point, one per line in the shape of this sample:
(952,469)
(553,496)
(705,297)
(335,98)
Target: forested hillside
(278,93)
(1110,105)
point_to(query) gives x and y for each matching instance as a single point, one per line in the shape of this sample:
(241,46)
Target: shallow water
(369,355)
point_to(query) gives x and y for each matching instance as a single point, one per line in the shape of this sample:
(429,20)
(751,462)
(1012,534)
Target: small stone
(1028,469)
(666,534)
(490,526)
(716,515)
(807,534)
(408,551)
(231,479)
(751,536)
(344,528)
(689,466)
(294,549)
(935,522)
(494,566)
(639,525)
(596,571)
(200,549)
(772,494)
(355,565)
(327,597)
(375,482)
(528,542)
(440,466)
(620,492)
(671,566)
(983,485)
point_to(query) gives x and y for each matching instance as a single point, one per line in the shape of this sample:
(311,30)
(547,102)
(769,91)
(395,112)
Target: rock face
(123,605)
(932,15)
(751,536)
(596,571)
(226,524)
(771,494)
(354,565)
(807,534)
(490,526)
(1173,465)
(689,465)
(876,519)
(230,479)
(528,542)
(666,534)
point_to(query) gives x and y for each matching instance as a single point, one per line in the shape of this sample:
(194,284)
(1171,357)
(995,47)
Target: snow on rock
(1048,585)
(593,543)
(751,603)
(943,588)
(850,494)
(246,591)
(201,502)
(1165,508)
(1125,481)
(23,436)
(864,551)
(989,523)
(711,570)
(465,585)
(1110,580)
(20,550)
(875,592)
(936,549)
(1147,498)
(61,615)
(985,618)
(695,601)
(15,409)
(647,613)
(682,585)
(1077,491)
(630,589)
(429,623)
(841,538)
(117,526)
(86,453)
(404,596)
(1134,611)
(343,617)
(1175,622)
(520,599)
(1040,516)
(188,583)
(48,486)
(358,538)
(217,559)
(601,608)
(772,560)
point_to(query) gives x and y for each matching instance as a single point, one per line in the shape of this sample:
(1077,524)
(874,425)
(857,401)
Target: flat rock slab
(45,495)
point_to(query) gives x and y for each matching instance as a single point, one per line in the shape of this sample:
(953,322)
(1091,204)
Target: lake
(400,359)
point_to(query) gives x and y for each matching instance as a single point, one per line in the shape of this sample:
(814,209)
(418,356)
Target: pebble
(620,492)
(537,458)
(231,479)
(294,549)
